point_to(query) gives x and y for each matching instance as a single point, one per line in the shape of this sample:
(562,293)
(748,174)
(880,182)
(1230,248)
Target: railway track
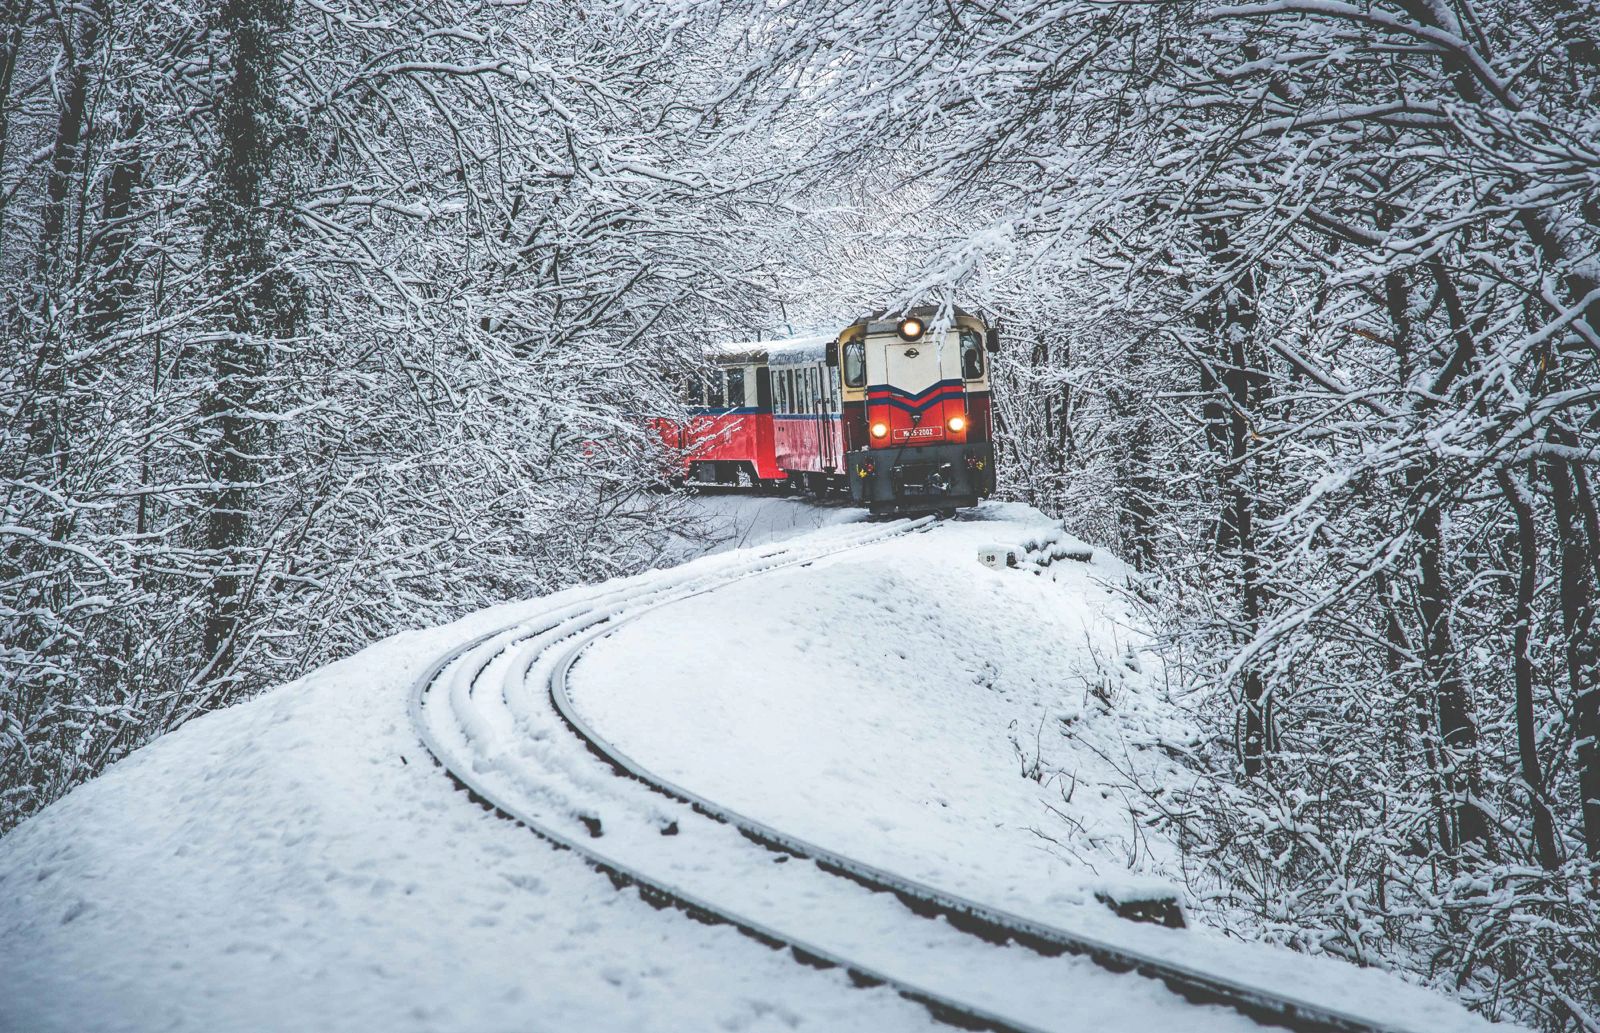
(495,713)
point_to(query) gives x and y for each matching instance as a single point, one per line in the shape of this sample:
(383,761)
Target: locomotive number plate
(919,432)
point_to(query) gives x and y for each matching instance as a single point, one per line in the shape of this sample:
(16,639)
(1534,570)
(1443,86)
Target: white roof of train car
(781,352)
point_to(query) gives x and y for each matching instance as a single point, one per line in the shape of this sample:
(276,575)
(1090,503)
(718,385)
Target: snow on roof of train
(782,352)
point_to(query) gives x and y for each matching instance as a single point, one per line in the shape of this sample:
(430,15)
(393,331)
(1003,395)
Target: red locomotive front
(925,439)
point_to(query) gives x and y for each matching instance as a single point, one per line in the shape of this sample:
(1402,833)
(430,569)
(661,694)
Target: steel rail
(590,624)
(987,922)
(653,890)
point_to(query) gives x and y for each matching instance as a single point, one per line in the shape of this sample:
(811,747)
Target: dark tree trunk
(79,30)
(78,40)
(1232,324)
(116,256)
(1458,730)
(14,16)
(1544,837)
(241,244)
(1136,479)
(1582,649)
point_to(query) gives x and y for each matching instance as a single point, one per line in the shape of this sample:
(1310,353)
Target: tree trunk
(119,270)
(1582,649)
(14,15)
(78,39)
(1233,325)
(241,245)
(1458,730)
(1544,837)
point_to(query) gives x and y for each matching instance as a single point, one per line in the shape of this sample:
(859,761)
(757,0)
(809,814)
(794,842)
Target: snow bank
(295,863)
(743,521)
(967,726)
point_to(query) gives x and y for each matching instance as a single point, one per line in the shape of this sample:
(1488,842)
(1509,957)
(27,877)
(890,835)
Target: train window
(971,355)
(714,391)
(855,364)
(696,391)
(763,387)
(788,387)
(736,388)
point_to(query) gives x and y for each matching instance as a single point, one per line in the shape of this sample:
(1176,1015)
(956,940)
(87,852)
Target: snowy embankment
(971,728)
(298,863)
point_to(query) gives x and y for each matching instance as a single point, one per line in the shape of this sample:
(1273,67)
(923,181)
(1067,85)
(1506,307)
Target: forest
(323,319)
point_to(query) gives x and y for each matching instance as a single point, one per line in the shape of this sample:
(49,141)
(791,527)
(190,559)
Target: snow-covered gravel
(961,725)
(297,863)
(740,521)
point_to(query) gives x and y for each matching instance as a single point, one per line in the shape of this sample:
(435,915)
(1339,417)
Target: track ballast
(494,712)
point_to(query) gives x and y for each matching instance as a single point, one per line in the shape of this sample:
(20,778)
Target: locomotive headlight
(957,423)
(911,328)
(880,429)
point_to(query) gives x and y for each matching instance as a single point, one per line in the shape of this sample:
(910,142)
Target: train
(895,410)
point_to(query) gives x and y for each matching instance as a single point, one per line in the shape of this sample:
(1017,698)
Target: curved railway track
(496,714)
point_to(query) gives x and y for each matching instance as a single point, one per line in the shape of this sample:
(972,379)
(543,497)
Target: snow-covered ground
(893,705)
(297,863)
(972,728)
(739,521)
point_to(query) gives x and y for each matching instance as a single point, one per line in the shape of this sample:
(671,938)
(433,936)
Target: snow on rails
(496,716)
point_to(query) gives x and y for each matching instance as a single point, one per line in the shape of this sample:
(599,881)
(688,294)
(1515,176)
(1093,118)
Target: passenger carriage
(728,437)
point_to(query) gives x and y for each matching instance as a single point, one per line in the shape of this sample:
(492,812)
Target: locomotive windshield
(971,355)
(855,363)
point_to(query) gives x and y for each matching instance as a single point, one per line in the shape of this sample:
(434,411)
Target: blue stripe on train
(925,404)
(912,396)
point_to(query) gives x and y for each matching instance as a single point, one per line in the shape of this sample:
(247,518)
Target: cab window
(971,355)
(855,364)
(714,391)
(735,388)
(696,391)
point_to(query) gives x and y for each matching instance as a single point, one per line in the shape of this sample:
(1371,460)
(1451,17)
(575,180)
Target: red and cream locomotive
(895,410)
